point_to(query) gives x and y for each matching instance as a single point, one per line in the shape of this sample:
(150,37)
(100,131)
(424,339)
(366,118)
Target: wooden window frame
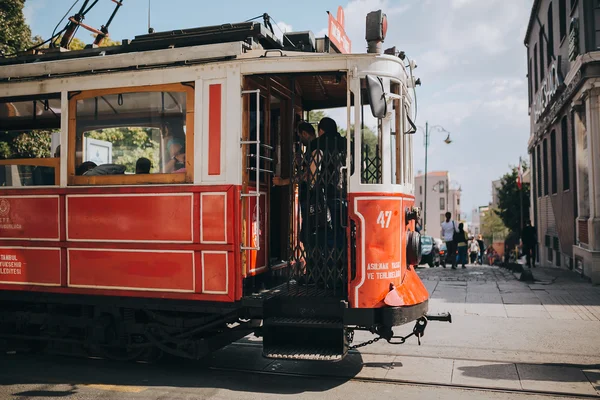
(135,179)
(36,162)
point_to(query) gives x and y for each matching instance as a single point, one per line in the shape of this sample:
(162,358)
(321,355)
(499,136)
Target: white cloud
(282,28)
(471,60)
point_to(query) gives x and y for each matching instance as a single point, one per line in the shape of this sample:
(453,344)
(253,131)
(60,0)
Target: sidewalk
(544,378)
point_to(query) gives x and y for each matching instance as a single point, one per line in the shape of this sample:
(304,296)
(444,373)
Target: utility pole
(448,141)
(425,192)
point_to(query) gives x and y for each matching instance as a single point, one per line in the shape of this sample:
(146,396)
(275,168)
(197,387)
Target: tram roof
(241,41)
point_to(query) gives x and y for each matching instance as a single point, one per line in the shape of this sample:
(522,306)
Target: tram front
(353,244)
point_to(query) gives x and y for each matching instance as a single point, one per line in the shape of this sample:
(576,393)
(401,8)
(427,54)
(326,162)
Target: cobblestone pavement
(493,291)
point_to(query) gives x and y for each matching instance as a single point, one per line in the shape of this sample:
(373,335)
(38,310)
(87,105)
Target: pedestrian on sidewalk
(449,229)
(461,240)
(481,249)
(529,240)
(474,249)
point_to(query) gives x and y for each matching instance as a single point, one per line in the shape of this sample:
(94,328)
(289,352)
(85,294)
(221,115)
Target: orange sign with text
(381,268)
(337,34)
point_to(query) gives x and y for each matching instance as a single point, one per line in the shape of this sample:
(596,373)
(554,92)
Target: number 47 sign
(384,219)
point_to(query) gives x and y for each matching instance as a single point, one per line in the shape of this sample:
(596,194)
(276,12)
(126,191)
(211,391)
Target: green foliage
(316,116)
(31,144)
(492,227)
(15,34)
(78,44)
(129,144)
(509,201)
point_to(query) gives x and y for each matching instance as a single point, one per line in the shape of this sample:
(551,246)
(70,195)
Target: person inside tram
(85,167)
(176,148)
(143,166)
(328,154)
(306,134)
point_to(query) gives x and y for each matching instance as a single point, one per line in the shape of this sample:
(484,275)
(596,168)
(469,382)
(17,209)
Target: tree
(492,227)
(509,200)
(15,34)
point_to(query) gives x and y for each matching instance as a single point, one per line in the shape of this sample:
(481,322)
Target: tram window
(396,136)
(141,133)
(371,160)
(30,141)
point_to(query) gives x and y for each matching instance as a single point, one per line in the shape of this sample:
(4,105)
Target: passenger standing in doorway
(529,239)
(461,240)
(328,155)
(449,228)
(306,134)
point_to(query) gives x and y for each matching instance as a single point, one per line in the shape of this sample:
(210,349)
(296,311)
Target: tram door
(265,148)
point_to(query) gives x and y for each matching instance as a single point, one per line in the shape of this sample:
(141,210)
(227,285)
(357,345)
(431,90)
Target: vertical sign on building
(337,34)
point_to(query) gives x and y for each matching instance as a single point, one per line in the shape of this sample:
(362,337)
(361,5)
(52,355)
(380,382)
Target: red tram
(137,210)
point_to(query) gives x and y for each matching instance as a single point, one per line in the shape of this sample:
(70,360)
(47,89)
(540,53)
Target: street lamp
(428,130)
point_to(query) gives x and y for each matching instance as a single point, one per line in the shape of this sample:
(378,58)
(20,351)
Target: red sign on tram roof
(337,34)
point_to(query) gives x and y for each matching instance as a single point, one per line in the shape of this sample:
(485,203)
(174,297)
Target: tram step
(316,353)
(304,322)
(302,338)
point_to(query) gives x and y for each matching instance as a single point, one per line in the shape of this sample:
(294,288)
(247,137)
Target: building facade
(496,185)
(563,59)
(441,197)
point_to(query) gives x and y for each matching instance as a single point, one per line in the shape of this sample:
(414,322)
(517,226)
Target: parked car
(443,254)
(441,247)
(430,253)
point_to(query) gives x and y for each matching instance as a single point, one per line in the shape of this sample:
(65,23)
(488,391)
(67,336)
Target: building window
(421,205)
(535,67)
(541,42)
(597,20)
(458,201)
(530,81)
(553,161)
(545,170)
(565,154)
(420,189)
(562,18)
(539,171)
(442,203)
(442,187)
(550,44)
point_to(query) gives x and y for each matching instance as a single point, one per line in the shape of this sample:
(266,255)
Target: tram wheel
(413,248)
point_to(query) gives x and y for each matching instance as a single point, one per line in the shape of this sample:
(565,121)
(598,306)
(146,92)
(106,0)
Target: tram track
(402,382)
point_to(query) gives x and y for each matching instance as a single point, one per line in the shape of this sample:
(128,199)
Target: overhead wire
(282,33)
(64,16)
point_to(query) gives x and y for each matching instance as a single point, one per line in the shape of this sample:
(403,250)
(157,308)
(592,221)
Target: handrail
(258,145)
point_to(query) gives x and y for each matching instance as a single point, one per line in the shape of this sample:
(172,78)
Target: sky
(470,57)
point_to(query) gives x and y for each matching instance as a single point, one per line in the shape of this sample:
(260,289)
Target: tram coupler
(442,317)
